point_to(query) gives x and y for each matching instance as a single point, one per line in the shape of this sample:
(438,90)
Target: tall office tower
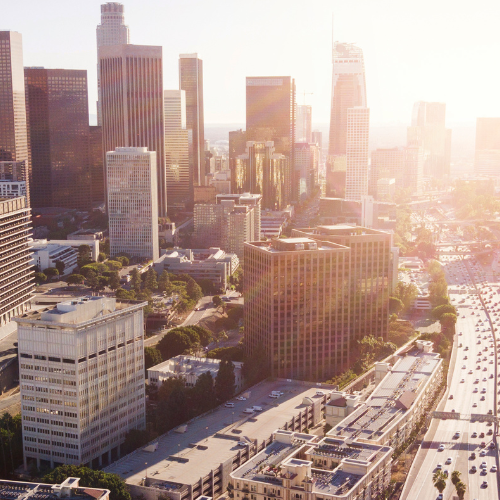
(303,127)
(191,81)
(260,170)
(237,147)
(81,370)
(132,202)
(58,133)
(305,170)
(386,163)
(317,138)
(270,116)
(487,158)
(132,104)
(372,268)
(14,156)
(358,128)
(111,31)
(179,176)
(16,278)
(297,304)
(348,91)
(96,159)
(428,131)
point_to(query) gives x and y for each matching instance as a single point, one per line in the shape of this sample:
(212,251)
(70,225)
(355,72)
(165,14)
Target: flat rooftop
(391,399)
(14,490)
(182,458)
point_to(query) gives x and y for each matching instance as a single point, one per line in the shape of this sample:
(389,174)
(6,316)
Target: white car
(448,460)
(441,447)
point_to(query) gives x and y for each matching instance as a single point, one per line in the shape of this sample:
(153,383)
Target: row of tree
(439,480)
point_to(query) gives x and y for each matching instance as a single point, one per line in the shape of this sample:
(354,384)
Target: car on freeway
(482,453)
(485,484)
(448,461)
(473,468)
(474,434)
(481,435)
(493,468)
(474,405)
(241,398)
(439,466)
(475,390)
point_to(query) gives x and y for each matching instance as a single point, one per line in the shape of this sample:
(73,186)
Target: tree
(448,320)
(125,294)
(134,439)
(395,305)
(438,311)
(40,277)
(51,272)
(406,293)
(439,481)
(455,477)
(218,302)
(163,282)
(84,255)
(256,366)
(60,266)
(92,280)
(75,279)
(204,335)
(461,488)
(193,290)
(90,478)
(101,257)
(114,265)
(124,260)
(326,429)
(114,280)
(151,282)
(135,281)
(152,357)
(173,344)
(224,381)
(203,394)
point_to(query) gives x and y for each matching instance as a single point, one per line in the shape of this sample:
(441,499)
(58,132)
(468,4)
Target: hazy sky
(439,50)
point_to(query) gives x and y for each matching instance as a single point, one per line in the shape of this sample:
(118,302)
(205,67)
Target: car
(490,412)
(481,435)
(485,484)
(441,447)
(493,468)
(451,396)
(482,453)
(483,398)
(465,357)
(456,435)
(483,465)
(320,393)
(473,455)
(474,405)
(448,460)
(473,468)
(475,390)
(474,434)
(257,408)
(249,410)
(470,372)
(439,466)
(483,390)
(242,443)
(462,381)
(274,396)
(490,432)
(229,405)
(440,496)
(241,398)
(491,446)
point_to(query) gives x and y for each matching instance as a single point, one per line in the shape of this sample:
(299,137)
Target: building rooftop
(296,245)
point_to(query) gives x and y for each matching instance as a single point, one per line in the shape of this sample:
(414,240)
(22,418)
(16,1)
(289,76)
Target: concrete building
(273,223)
(46,254)
(303,127)
(81,370)
(69,489)
(191,82)
(14,152)
(213,264)
(111,31)
(304,467)
(487,157)
(358,128)
(297,303)
(386,189)
(189,368)
(305,173)
(96,160)
(133,202)
(237,147)
(177,139)
(132,118)
(12,189)
(16,273)
(74,243)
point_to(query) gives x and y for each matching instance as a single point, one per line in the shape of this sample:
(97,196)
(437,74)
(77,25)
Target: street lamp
(146,464)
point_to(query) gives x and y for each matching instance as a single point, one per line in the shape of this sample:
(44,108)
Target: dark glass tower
(58,130)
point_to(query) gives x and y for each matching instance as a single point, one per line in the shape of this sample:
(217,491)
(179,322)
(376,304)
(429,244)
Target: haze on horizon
(435,51)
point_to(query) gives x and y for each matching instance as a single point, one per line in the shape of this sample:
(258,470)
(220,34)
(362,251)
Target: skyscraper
(96,159)
(487,158)
(111,31)
(179,175)
(305,169)
(132,104)
(303,130)
(348,91)
(270,116)
(13,130)
(58,130)
(191,81)
(237,147)
(132,202)
(358,127)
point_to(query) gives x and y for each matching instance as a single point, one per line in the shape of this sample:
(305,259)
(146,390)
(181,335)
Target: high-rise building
(358,128)
(191,81)
(305,172)
(14,157)
(237,147)
(487,159)
(270,116)
(58,133)
(303,129)
(132,104)
(317,138)
(297,306)
(111,31)
(96,159)
(179,175)
(81,370)
(348,91)
(132,202)
(428,132)
(16,269)
(263,171)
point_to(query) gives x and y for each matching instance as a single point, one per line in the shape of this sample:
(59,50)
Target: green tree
(151,282)
(75,279)
(395,305)
(101,257)
(51,272)
(124,260)
(204,335)
(125,294)
(84,255)
(439,481)
(256,367)
(193,290)
(136,281)
(40,277)
(461,488)
(438,311)
(90,478)
(218,302)
(92,279)
(224,381)
(114,265)
(152,357)
(163,282)
(406,293)
(114,280)
(173,344)
(455,477)
(203,394)
(135,438)
(60,266)
(448,321)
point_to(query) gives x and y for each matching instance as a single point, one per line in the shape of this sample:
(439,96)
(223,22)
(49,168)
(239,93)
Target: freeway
(472,386)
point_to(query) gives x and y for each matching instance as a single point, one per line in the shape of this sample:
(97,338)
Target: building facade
(111,31)
(132,104)
(487,157)
(132,202)
(81,369)
(303,129)
(58,130)
(237,147)
(178,172)
(305,170)
(12,189)
(14,154)
(191,81)
(96,159)
(47,254)
(16,269)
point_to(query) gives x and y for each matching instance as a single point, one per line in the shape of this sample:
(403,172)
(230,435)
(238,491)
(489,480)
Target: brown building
(131,78)
(14,160)
(58,131)
(96,156)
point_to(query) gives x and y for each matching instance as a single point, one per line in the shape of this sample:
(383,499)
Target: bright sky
(435,50)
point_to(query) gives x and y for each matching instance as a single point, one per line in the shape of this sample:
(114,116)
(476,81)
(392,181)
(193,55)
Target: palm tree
(460,487)
(439,480)
(455,477)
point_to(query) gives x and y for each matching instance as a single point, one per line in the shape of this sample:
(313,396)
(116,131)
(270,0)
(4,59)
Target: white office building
(47,254)
(81,370)
(133,202)
(358,126)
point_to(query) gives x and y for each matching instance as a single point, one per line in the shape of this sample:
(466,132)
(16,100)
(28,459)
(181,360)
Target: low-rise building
(46,254)
(211,263)
(299,466)
(189,368)
(69,489)
(12,189)
(86,234)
